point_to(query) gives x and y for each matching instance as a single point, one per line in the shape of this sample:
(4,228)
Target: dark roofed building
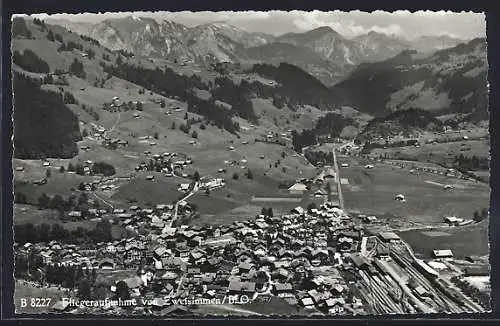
(389,236)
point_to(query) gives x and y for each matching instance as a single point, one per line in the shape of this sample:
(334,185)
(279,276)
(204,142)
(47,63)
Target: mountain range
(452,80)
(322,52)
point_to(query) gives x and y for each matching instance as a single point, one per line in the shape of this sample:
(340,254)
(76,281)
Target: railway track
(440,297)
(380,292)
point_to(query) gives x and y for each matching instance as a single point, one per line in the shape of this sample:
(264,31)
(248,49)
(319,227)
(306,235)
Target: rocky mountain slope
(448,81)
(322,52)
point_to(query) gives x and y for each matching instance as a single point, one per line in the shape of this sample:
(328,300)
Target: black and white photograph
(250,163)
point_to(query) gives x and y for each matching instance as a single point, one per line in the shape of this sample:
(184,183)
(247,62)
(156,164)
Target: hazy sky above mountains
(349,24)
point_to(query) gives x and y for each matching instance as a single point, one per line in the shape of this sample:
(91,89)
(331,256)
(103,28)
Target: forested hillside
(44,125)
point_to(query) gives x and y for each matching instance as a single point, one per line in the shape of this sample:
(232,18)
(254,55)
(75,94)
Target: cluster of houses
(271,256)
(303,185)
(164,162)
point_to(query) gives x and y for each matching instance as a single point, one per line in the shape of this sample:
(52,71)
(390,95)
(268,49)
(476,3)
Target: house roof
(307,301)
(235,285)
(389,236)
(443,253)
(133,282)
(283,287)
(298,187)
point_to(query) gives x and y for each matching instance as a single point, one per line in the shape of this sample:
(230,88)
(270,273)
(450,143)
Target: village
(318,259)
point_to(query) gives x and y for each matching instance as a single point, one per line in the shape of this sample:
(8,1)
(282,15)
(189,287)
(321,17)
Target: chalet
(400,197)
(244,267)
(298,210)
(307,302)
(160,252)
(133,253)
(75,214)
(19,168)
(106,264)
(442,253)
(320,193)
(235,287)
(335,305)
(282,289)
(297,189)
(453,220)
(370,219)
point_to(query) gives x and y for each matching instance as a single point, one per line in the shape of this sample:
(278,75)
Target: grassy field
(463,241)
(373,192)
(162,190)
(62,184)
(437,152)
(29,214)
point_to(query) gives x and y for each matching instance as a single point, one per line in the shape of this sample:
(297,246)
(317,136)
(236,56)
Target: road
(102,199)
(176,209)
(337,178)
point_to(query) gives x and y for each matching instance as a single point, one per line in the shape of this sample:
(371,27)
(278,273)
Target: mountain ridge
(222,42)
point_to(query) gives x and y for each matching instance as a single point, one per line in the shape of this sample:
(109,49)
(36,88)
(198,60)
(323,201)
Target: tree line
(331,124)
(297,85)
(29,61)
(472,163)
(24,233)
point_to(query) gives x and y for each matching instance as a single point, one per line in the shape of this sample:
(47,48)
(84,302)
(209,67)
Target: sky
(464,25)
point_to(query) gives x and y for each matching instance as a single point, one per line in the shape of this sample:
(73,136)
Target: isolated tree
(328,188)
(48,173)
(122,291)
(162,103)
(196,176)
(85,133)
(81,186)
(57,202)
(84,290)
(173,125)
(43,201)
(20,198)
(263,211)
(186,117)
(249,174)
(50,36)
(155,136)
(270,212)
(194,134)
(236,176)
